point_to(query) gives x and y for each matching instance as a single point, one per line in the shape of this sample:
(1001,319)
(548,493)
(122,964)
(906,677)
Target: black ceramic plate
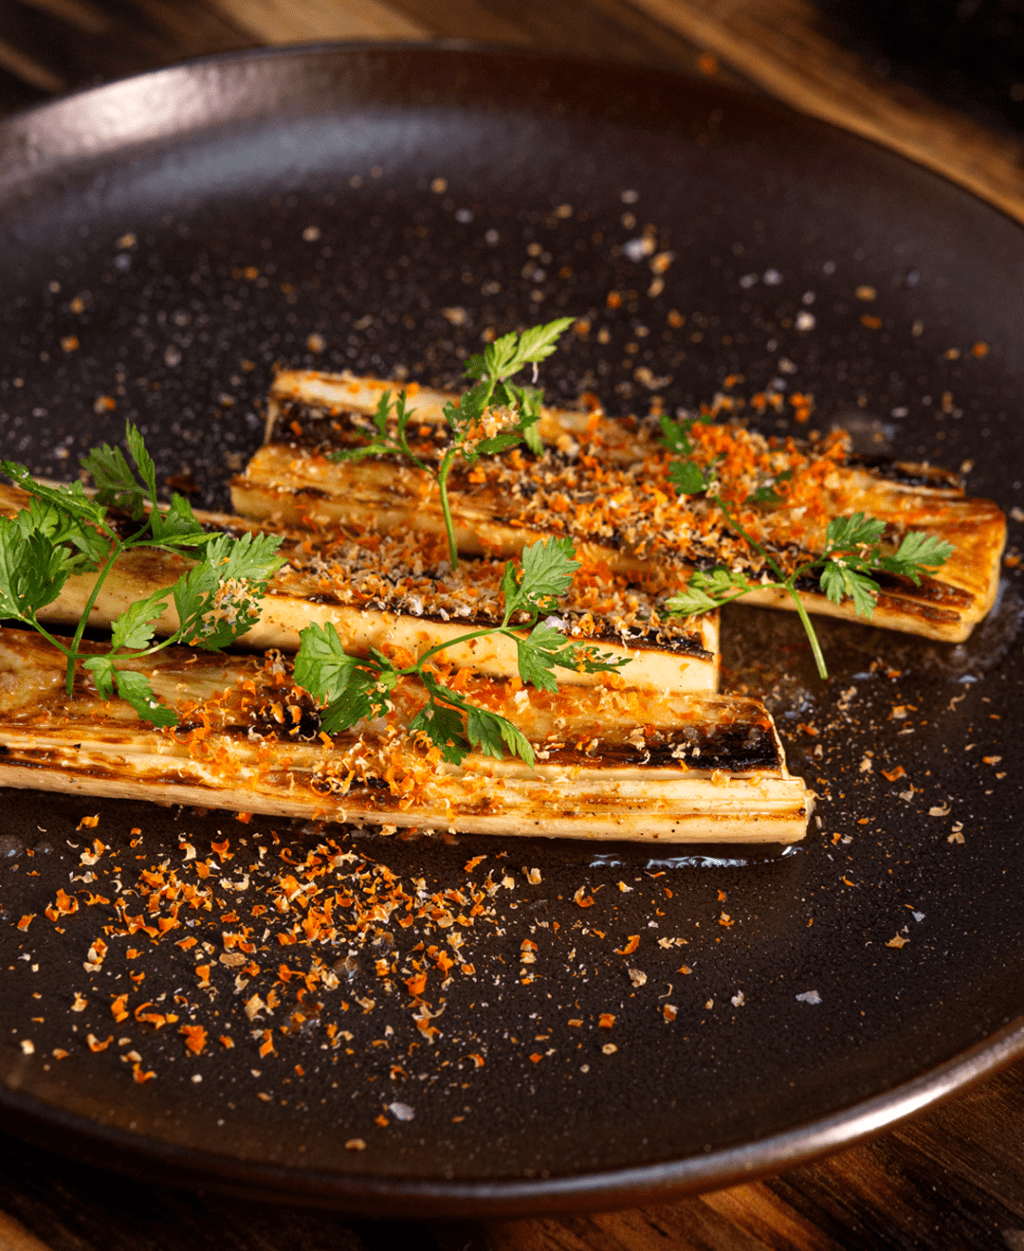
(165,242)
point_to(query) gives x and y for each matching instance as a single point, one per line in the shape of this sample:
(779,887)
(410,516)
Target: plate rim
(10,124)
(608,1188)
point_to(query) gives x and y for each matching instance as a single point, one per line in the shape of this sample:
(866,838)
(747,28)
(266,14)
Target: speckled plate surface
(164,242)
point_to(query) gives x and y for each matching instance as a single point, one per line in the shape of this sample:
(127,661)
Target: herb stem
(441,647)
(446,508)
(72,656)
(101,577)
(403,447)
(789,585)
(819,657)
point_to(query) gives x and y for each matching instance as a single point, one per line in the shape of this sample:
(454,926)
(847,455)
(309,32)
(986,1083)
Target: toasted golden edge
(361,394)
(772,810)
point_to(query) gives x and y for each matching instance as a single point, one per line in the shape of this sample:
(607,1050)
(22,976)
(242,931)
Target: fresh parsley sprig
(492,416)
(66,531)
(517,409)
(350,688)
(854,550)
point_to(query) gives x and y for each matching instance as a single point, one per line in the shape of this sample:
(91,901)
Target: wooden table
(950,1179)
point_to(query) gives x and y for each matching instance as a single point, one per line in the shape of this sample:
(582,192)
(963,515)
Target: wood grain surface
(951,1179)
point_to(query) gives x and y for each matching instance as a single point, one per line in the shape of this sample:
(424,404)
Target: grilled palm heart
(397,594)
(606,484)
(610,763)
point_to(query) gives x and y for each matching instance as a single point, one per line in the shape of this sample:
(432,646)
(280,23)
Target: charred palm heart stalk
(397,593)
(66,532)
(614,488)
(607,763)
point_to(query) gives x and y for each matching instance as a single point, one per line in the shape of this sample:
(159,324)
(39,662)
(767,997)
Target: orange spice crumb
(195,1037)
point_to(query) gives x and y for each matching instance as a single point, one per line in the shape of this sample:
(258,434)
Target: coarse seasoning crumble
(409,573)
(330,896)
(610,484)
(311,942)
(305,949)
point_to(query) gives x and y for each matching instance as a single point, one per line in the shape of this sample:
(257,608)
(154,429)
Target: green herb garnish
(854,549)
(66,531)
(350,688)
(516,408)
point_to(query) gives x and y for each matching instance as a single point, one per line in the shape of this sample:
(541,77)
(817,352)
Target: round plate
(616,1021)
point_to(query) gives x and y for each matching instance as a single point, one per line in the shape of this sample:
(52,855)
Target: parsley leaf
(322,666)
(492,733)
(441,721)
(33,571)
(85,547)
(507,355)
(838,580)
(364,697)
(846,533)
(687,477)
(767,494)
(134,688)
(675,435)
(442,726)
(545,647)
(115,480)
(916,553)
(70,499)
(548,567)
(143,461)
(177,527)
(352,689)
(536,345)
(706,591)
(500,443)
(102,670)
(135,626)
(218,600)
(539,652)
